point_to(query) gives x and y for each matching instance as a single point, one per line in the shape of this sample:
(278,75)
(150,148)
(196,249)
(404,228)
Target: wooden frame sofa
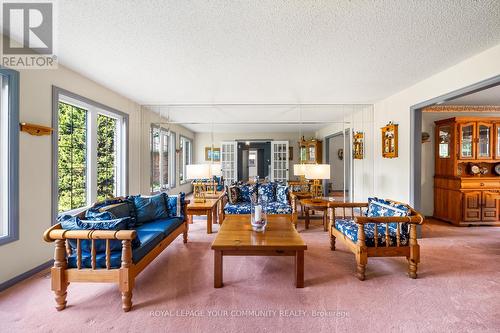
(396,236)
(108,266)
(279,202)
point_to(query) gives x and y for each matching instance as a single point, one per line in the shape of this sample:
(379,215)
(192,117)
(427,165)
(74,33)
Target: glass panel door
(228,161)
(279,161)
(484,140)
(444,141)
(467,148)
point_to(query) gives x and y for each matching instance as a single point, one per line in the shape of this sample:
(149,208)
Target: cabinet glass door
(312,154)
(497,141)
(484,140)
(444,141)
(467,148)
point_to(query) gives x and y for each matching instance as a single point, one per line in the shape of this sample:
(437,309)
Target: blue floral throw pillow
(267,192)
(380,207)
(282,194)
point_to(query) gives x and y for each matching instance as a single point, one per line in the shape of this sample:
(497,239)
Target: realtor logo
(28,35)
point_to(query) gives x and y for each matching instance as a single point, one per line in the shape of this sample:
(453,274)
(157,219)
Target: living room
(241,166)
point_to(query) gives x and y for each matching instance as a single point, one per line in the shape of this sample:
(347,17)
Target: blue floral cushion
(237,208)
(350,228)
(267,192)
(381,207)
(174,202)
(247,192)
(278,208)
(282,194)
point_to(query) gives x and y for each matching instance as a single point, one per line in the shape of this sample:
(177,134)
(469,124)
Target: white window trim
(171,159)
(10,151)
(183,165)
(93,108)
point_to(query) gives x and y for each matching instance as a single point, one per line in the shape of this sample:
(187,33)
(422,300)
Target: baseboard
(9,283)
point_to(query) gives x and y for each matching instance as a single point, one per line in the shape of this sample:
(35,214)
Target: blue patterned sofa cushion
(278,208)
(173,202)
(282,193)
(350,228)
(381,207)
(247,192)
(267,192)
(237,208)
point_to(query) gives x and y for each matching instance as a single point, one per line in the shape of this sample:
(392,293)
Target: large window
(9,155)
(186,146)
(91,147)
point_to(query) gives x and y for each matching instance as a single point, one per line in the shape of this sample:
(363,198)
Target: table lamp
(215,171)
(317,172)
(197,172)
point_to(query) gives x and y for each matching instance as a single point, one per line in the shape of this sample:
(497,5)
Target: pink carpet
(458,290)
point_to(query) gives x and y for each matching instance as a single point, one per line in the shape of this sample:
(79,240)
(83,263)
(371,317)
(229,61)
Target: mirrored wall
(267,141)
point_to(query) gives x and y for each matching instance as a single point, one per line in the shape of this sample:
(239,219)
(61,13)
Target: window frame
(184,163)
(93,109)
(171,146)
(12,194)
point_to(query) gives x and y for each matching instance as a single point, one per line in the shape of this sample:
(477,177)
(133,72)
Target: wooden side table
(316,204)
(220,208)
(208,208)
(300,196)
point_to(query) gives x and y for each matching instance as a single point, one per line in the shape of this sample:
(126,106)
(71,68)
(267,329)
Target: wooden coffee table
(316,204)
(208,208)
(236,238)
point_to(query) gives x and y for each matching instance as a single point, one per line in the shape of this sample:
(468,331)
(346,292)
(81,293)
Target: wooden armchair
(390,243)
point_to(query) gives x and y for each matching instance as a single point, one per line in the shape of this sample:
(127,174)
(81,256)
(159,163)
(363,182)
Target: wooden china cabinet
(310,151)
(466,185)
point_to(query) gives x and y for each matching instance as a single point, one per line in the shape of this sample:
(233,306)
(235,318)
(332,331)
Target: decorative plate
(497,169)
(475,169)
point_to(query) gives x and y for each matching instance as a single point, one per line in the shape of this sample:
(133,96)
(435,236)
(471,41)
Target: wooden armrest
(414,219)
(334,204)
(56,232)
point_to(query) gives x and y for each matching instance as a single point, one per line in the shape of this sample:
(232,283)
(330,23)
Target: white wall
(35,164)
(203,140)
(392,176)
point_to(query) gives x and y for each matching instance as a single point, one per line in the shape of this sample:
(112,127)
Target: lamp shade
(198,171)
(216,169)
(299,169)
(318,171)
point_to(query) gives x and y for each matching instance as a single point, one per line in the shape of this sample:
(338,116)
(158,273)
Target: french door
(279,161)
(229,162)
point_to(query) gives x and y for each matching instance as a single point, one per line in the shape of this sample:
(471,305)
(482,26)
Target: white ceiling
(489,96)
(274,51)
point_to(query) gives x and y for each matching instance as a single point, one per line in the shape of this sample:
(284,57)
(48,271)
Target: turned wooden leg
(59,283)
(307,220)
(414,257)
(361,253)
(126,278)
